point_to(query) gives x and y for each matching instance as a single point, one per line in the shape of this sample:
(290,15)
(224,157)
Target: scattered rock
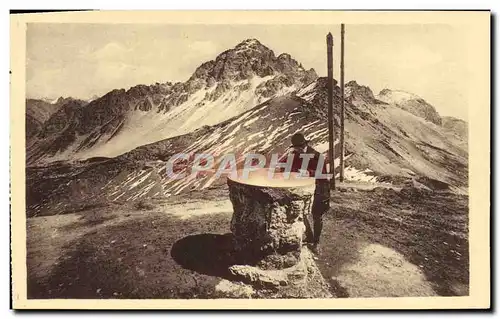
(229,289)
(276,261)
(258,277)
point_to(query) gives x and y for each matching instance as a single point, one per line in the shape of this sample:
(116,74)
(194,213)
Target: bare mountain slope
(384,143)
(38,111)
(456,126)
(391,141)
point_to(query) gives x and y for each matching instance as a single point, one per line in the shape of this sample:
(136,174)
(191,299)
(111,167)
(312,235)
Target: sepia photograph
(329,159)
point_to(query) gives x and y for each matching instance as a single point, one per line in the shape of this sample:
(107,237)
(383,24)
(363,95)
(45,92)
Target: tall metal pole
(342,111)
(331,126)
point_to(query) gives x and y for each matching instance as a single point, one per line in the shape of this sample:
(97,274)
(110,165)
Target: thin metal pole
(331,126)
(342,111)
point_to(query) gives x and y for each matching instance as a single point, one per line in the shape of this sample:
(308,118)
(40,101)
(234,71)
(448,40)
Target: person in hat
(321,202)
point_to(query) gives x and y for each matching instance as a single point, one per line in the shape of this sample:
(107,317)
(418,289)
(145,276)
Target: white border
(186,4)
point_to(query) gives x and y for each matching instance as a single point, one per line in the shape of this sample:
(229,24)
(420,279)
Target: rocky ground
(376,242)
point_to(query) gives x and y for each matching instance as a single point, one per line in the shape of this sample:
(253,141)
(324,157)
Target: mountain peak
(399,95)
(250,46)
(254,51)
(357,93)
(64,100)
(249,42)
(247,59)
(59,100)
(411,103)
(384,92)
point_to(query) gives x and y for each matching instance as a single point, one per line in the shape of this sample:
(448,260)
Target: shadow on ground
(135,259)
(339,247)
(209,254)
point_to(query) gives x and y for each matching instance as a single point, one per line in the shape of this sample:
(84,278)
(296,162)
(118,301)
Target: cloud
(202,48)
(41,83)
(109,72)
(110,52)
(197,52)
(407,57)
(416,57)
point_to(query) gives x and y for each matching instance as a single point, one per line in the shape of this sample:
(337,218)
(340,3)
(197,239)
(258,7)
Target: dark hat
(298,139)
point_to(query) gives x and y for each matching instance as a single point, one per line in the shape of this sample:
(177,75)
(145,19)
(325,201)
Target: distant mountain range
(237,80)
(39,111)
(245,100)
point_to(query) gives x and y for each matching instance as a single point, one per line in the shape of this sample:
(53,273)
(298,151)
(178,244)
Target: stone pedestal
(268,229)
(268,222)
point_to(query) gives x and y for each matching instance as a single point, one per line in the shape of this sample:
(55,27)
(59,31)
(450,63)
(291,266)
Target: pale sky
(82,60)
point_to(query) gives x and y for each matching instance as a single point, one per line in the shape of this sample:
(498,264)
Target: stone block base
(303,280)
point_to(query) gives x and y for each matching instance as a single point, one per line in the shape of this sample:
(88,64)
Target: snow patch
(396,96)
(353,174)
